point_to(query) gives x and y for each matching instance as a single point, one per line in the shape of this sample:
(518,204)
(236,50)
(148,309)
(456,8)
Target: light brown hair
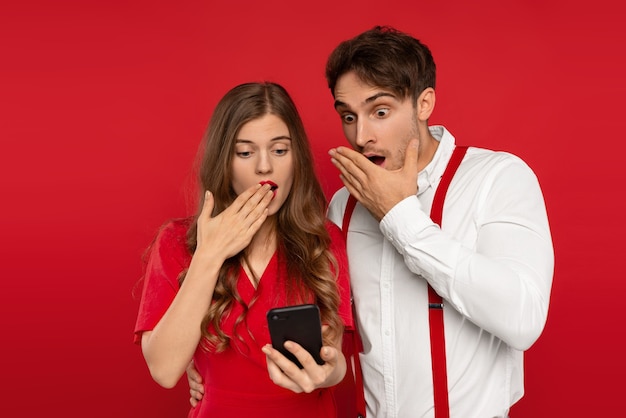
(303,239)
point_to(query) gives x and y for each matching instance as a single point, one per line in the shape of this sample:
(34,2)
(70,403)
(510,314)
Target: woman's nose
(264,164)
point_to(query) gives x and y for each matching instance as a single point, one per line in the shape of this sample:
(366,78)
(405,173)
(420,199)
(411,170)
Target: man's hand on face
(377,189)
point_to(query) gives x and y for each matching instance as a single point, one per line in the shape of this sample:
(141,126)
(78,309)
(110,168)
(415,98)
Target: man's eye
(381,112)
(348,118)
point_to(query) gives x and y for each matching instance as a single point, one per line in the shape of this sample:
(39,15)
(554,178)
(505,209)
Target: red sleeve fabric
(338,248)
(168,257)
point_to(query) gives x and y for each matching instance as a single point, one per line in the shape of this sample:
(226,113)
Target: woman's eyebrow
(249,141)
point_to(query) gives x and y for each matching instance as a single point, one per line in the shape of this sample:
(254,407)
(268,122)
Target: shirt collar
(431,174)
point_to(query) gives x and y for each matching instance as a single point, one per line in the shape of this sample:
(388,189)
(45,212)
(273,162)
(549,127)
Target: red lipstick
(273,185)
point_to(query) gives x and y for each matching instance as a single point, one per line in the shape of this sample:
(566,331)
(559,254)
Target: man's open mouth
(376,159)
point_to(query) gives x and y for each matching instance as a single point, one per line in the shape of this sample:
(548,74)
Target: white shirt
(492,262)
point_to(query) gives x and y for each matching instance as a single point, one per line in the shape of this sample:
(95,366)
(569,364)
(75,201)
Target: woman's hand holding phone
(285,373)
(296,360)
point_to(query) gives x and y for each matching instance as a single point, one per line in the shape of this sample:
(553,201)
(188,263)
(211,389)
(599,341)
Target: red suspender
(435,302)
(347,215)
(436,209)
(356,344)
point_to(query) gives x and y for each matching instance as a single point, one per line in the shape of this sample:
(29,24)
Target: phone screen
(300,324)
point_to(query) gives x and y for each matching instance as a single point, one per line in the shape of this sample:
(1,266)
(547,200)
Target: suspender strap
(357,345)
(347,215)
(435,302)
(436,209)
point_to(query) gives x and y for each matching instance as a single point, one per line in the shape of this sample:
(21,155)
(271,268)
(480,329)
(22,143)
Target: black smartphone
(300,324)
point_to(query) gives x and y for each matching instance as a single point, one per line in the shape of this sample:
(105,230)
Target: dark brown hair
(384,57)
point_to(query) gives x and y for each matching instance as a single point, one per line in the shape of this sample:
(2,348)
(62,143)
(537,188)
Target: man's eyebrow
(339,103)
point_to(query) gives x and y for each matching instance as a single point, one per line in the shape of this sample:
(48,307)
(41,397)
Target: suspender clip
(435,306)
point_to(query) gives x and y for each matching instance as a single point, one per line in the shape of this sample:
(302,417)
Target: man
(491,261)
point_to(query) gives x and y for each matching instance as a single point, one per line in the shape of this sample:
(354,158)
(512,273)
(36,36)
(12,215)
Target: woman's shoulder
(333,229)
(171,236)
(337,239)
(175,229)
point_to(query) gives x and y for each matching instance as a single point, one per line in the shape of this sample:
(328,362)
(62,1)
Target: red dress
(236,381)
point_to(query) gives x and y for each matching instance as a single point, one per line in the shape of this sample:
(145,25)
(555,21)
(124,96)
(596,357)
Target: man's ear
(425,104)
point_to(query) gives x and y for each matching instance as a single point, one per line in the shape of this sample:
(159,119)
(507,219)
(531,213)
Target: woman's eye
(281,151)
(244,154)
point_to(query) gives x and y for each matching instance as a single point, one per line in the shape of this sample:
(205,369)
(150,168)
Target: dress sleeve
(167,258)
(338,248)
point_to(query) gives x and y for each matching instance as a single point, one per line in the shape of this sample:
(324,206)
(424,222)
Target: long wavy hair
(303,240)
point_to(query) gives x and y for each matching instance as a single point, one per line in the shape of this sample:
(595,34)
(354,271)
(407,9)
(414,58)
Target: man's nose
(364,133)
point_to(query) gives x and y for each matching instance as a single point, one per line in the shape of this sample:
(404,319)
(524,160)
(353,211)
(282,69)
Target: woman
(260,240)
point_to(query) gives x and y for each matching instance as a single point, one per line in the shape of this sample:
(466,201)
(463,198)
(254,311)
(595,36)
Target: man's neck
(427,148)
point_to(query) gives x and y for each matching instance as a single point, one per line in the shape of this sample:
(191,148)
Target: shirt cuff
(403,222)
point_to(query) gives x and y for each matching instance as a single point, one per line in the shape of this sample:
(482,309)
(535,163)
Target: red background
(102,105)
